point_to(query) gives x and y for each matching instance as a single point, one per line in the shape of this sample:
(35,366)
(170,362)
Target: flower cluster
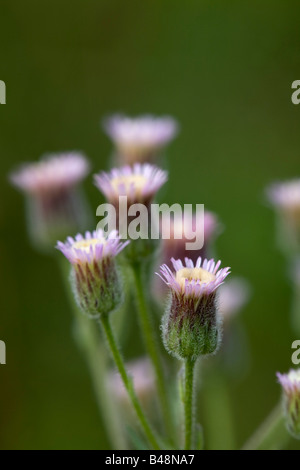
(198,302)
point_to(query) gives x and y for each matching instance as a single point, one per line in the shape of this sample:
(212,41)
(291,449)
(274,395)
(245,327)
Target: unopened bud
(95,278)
(191,325)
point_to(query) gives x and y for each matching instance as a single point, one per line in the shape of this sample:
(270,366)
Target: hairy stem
(128,384)
(88,340)
(151,342)
(188,402)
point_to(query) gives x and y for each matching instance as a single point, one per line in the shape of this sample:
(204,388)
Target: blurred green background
(224,69)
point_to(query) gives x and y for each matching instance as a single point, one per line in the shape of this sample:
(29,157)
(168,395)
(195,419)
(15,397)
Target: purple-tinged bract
(191,325)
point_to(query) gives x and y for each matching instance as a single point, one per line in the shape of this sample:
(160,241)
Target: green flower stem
(188,402)
(104,321)
(271,434)
(88,341)
(151,342)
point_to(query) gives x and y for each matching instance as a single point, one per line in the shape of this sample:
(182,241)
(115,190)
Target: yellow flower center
(197,274)
(136,181)
(86,244)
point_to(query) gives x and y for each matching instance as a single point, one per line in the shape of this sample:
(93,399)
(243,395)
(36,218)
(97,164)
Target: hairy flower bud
(291,400)
(191,325)
(94,274)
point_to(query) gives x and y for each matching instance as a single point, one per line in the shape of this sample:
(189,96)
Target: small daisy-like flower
(140,139)
(285,197)
(95,278)
(191,323)
(139,183)
(291,400)
(55,205)
(127,186)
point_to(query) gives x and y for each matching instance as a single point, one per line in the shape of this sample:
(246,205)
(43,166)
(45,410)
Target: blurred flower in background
(233,295)
(56,205)
(291,400)
(141,371)
(171,247)
(140,139)
(285,198)
(180,225)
